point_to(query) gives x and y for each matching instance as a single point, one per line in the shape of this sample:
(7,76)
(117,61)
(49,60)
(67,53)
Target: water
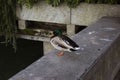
(11,62)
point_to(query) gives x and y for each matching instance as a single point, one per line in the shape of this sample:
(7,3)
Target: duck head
(57,32)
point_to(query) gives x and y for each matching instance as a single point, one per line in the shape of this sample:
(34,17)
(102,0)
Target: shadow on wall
(79,28)
(11,62)
(117,77)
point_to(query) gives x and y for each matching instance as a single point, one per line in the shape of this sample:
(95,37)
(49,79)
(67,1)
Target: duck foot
(60,54)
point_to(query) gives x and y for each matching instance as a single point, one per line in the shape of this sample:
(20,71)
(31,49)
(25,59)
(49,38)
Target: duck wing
(58,43)
(69,41)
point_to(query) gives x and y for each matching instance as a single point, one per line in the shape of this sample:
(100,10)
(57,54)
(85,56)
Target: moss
(28,32)
(70,3)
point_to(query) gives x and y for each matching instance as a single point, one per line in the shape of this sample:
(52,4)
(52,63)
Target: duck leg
(60,53)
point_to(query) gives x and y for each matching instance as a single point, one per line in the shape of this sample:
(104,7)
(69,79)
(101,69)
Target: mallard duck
(63,43)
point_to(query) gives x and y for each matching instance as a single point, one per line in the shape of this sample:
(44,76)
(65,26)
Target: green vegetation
(28,3)
(70,3)
(28,32)
(8,15)
(8,21)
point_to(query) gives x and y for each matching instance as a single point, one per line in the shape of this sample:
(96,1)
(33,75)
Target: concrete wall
(46,13)
(98,58)
(47,47)
(107,66)
(84,14)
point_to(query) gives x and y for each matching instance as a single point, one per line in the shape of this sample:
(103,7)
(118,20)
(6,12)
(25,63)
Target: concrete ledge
(36,38)
(98,58)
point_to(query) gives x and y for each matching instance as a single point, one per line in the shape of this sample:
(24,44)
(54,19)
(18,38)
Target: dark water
(11,62)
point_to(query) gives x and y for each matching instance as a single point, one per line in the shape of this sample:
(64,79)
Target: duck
(63,43)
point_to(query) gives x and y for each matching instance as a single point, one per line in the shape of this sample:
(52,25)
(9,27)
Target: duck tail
(75,49)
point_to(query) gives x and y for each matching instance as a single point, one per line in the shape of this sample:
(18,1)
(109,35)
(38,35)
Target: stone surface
(36,38)
(86,14)
(97,59)
(47,47)
(45,13)
(21,24)
(70,30)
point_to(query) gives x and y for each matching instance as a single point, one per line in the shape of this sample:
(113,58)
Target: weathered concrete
(21,24)
(86,14)
(98,58)
(36,38)
(45,12)
(47,47)
(70,30)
